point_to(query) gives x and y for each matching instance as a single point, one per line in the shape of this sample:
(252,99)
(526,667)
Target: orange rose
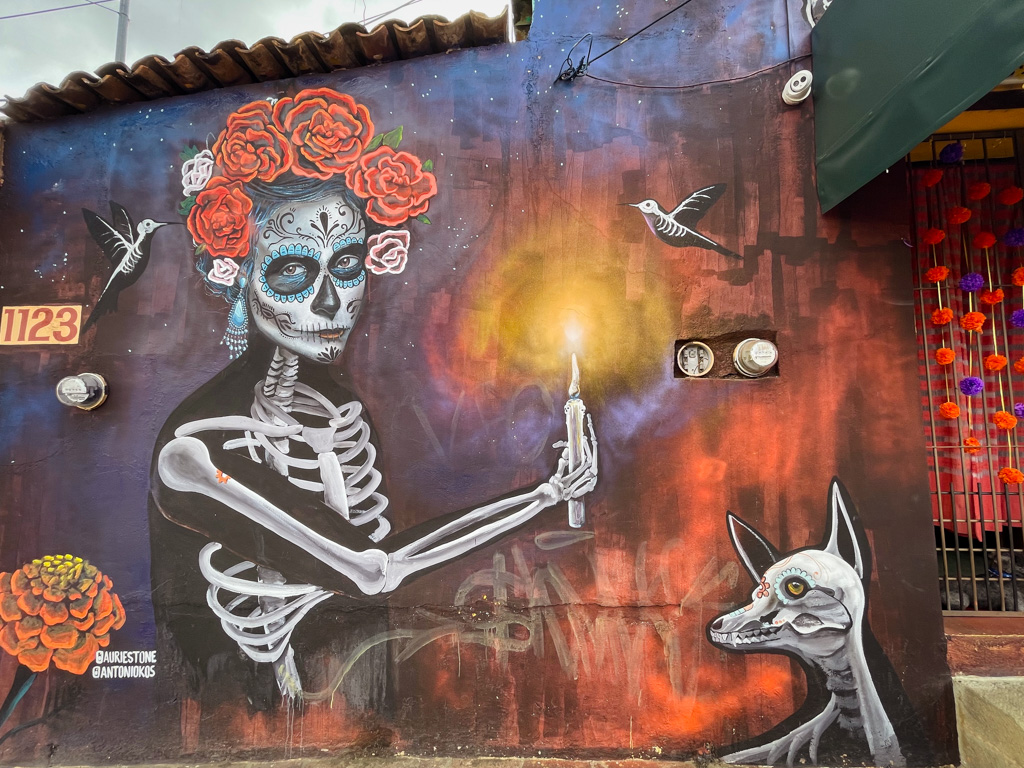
(1004,420)
(972,321)
(991,297)
(949,411)
(942,316)
(995,363)
(1011,476)
(327,130)
(936,274)
(58,608)
(252,146)
(944,356)
(220,218)
(972,445)
(395,184)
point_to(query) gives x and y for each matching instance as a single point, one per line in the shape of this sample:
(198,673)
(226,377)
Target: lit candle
(574,410)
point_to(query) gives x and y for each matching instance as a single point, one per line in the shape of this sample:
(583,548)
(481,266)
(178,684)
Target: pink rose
(223,272)
(389,251)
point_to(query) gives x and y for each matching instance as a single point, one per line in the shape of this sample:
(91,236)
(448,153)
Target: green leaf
(186,205)
(428,165)
(393,138)
(189,152)
(200,249)
(374,143)
(423,218)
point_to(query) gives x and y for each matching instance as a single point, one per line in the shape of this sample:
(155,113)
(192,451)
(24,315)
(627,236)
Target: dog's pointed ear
(756,552)
(842,536)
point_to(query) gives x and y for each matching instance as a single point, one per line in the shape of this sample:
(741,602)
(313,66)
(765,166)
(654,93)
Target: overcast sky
(46,47)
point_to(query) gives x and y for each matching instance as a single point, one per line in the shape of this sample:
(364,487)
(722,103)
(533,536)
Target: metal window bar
(978,518)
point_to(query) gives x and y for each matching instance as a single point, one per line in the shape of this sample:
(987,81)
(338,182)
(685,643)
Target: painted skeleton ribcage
(256,608)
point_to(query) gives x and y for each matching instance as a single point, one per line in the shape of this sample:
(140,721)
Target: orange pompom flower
(972,321)
(1011,476)
(936,274)
(944,355)
(942,316)
(959,214)
(991,297)
(983,240)
(1019,366)
(58,608)
(1010,196)
(995,363)
(933,236)
(971,445)
(1017,277)
(931,177)
(978,190)
(1004,420)
(949,410)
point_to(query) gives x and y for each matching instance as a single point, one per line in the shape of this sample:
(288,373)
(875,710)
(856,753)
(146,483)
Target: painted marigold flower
(958,215)
(995,363)
(971,385)
(252,146)
(931,177)
(395,183)
(978,190)
(991,297)
(944,355)
(1011,476)
(933,236)
(58,608)
(1004,420)
(972,445)
(327,131)
(949,410)
(936,274)
(972,321)
(972,282)
(1010,196)
(942,316)
(220,218)
(983,240)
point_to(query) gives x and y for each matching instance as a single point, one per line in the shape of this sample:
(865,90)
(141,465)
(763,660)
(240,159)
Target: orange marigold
(1004,420)
(1017,278)
(991,297)
(972,321)
(1010,196)
(995,363)
(931,177)
(933,236)
(949,410)
(984,240)
(1011,476)
(978,190)
(942,316)
(959,214)
(972,445)
(936,274)
(944,355)
(58,608)
(1019,366)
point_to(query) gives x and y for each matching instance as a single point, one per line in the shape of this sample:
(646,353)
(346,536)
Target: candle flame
(574,382)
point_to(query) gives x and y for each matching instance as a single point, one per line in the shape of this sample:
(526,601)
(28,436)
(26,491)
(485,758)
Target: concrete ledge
(990,720)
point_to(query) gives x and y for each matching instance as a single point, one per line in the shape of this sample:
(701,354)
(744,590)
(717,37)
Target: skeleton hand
(565,484)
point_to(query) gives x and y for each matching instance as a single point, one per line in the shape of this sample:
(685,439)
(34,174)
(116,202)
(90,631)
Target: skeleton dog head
(806,602)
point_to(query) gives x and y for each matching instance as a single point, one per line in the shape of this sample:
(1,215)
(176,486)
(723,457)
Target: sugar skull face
(308,278)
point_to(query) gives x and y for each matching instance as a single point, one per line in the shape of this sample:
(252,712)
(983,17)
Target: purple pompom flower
(952,153)
(971,385)
(1017,318)
(972,282)
(1018,410)
(1014,238)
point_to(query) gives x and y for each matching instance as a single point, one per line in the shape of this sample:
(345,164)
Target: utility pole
(122,31)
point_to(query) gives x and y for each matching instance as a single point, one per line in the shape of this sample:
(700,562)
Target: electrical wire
(384,14)
(755,73)
(97,3)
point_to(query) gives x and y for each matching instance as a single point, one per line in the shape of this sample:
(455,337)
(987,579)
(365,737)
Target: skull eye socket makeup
(795,587)
(290,275)
(346,263)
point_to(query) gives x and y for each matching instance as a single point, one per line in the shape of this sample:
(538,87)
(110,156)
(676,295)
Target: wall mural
(394,459)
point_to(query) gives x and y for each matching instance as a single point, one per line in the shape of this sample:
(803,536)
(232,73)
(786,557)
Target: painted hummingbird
(126,245)
(676,228)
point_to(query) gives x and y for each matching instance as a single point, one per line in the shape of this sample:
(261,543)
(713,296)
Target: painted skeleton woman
(267,497)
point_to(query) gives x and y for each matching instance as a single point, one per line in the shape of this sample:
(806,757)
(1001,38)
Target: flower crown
(316,134)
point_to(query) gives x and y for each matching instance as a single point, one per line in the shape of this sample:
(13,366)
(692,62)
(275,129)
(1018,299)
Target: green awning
(888,73)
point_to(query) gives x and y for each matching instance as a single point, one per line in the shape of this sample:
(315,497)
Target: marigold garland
(949,410)
(991,297)
(1004,420)
(995,363)
(972,321)
(933,236)
(936,274)
(944,355)
(971,385)
(1010,196)
(931,177)
(942,316)
(978,190)
(983,240)
(971,282)
(972,445)
(958,215)
(1011,476)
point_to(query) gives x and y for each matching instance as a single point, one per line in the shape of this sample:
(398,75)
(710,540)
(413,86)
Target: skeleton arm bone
(185,465)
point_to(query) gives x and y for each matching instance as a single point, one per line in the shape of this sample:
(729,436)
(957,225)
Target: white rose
(196,173)
(224,271)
